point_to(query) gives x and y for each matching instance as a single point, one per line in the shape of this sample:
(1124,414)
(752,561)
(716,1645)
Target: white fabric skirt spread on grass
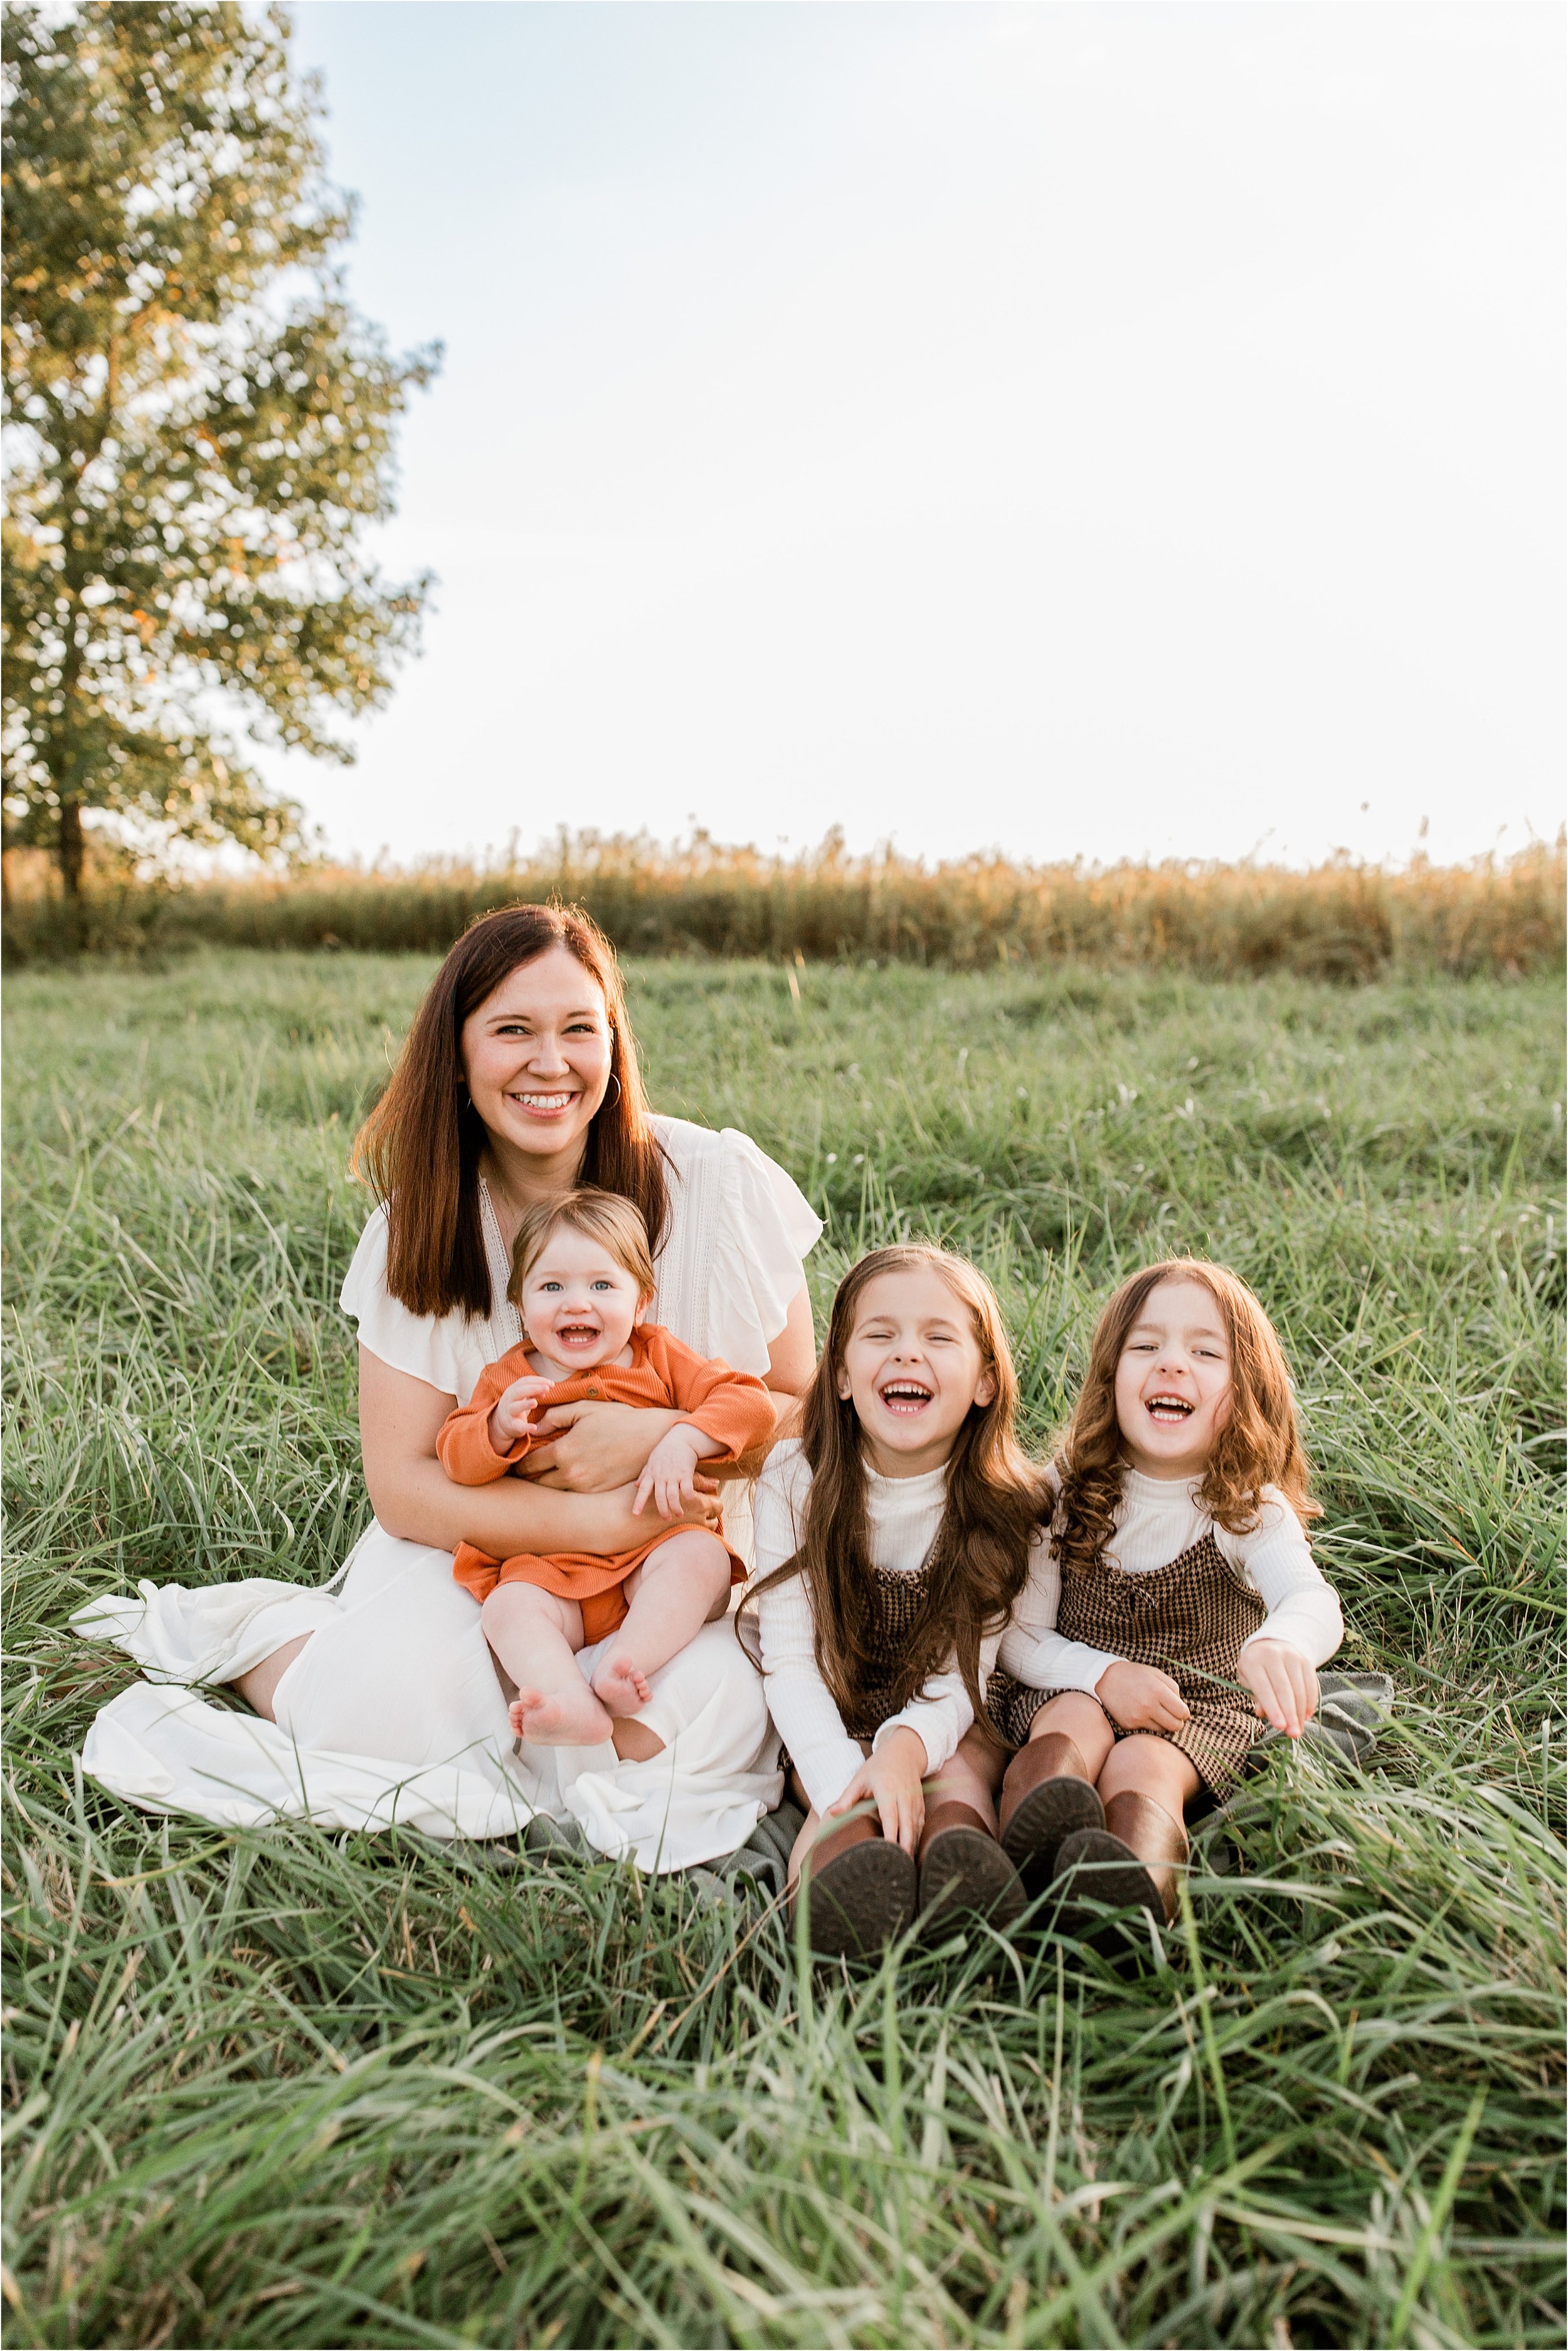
(393,1714)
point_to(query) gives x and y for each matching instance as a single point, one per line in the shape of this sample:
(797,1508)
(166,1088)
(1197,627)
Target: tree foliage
(200,429)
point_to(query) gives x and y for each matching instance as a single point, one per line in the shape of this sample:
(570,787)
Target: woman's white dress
(392,1711)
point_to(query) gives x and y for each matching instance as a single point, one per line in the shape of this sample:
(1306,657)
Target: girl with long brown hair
(1176,1615)
(893,1536)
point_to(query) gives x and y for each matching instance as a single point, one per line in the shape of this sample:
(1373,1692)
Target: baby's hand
(669,1473)
(1140,1698)
(1283,1684)
(514,1409)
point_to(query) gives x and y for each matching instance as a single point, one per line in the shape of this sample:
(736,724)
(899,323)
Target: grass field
(293,2088)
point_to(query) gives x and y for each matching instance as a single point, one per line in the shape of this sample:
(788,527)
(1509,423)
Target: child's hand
(892,1778)
(514,1409)
(1283,1684)
(669,1474)
(1140,1698)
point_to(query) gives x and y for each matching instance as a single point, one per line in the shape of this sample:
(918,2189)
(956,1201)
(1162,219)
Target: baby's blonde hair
(603,1216)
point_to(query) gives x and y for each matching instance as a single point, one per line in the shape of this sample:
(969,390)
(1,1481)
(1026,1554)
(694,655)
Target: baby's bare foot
(562,1718)
(620,1685)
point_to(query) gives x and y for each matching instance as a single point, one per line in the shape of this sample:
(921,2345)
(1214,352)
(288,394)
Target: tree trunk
(70,848)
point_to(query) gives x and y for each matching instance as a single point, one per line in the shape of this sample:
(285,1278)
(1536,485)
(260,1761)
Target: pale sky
(1095,430)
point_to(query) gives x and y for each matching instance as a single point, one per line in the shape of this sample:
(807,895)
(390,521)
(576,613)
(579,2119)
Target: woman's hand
(400,1419)
(590,1447)
(1283,1684)
(891,1778)
(1140,1698)
(604,1524)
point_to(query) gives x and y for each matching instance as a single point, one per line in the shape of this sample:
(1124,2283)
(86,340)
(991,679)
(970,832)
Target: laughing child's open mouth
(904,1396)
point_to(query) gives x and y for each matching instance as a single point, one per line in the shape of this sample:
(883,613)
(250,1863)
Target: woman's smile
(537,1057)
(542,1105)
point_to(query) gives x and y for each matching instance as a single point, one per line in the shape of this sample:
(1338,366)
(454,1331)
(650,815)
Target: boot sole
(965,1871)
(860,1900)
(1096,1865)
(1054,1810)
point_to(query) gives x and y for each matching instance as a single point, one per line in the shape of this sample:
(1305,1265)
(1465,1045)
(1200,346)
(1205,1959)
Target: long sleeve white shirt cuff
(813,1728)
(1309,1621)
(937,1723)
(1056,1663)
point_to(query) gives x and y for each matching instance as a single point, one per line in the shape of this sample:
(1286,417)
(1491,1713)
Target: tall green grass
(295,2088)
(1340,920)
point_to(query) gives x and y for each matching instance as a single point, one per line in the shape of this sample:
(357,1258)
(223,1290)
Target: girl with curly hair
(1176,1614)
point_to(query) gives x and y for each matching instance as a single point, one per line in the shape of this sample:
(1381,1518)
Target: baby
(582,1279)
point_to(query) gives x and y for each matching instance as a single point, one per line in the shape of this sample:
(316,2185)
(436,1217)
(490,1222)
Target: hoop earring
(616,1083)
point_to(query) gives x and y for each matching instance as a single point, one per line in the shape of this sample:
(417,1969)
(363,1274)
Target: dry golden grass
(1336,921)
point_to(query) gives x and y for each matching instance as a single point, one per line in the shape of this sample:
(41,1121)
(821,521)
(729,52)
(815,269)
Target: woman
(377,1698)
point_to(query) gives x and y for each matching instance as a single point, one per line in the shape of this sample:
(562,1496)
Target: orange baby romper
(662,1374)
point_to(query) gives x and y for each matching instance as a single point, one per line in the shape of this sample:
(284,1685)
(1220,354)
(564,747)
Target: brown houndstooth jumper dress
(900,1604)
(887,1688)
(1189,1619)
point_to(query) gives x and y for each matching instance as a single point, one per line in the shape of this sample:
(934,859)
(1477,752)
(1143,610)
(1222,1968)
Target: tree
(200,428)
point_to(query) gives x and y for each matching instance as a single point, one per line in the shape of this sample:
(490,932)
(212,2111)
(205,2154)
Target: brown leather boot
(964,1869)
(1047,1794)
(1132,1863)
(860,1890)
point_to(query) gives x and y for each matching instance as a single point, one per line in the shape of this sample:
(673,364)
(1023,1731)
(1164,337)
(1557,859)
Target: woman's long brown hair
(1260,1446)
(419,1150)
(981,1556)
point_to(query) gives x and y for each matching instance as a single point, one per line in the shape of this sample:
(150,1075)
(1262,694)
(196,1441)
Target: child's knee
(1072,1711)
(1151,1766)
(1078,1715)
(514,1605)
(715,1554)
(697,1556)
(719,1569)
(494,1607)
(705,1567)
(982,1753)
